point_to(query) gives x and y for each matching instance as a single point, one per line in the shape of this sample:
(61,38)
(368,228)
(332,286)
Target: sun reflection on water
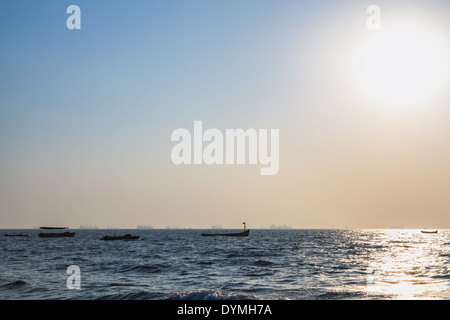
(410,265)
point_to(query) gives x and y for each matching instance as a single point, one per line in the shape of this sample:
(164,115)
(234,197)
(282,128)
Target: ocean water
(269,264)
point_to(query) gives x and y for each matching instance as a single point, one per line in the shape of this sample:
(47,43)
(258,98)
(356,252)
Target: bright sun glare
(402,66)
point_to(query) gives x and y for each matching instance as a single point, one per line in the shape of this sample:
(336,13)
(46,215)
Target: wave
(156,268)
(116,284)
(210,295)
(14,284)
(441,276)
(140,295)
(341,294)
(264,263)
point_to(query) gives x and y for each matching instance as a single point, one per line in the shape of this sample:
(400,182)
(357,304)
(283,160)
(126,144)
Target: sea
(163,264)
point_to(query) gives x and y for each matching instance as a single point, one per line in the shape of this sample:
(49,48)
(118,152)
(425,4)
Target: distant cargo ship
(144,227)
(280,227)
(88,226)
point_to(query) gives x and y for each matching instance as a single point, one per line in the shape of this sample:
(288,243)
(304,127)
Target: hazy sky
(86,115)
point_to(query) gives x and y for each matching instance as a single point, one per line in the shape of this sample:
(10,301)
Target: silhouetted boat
(244,233)
(236,234)
(57,235)
(65,234)
(53,228)
(124,237)
(16,235)
(429,231)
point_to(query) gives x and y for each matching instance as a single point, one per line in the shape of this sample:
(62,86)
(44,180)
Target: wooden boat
(429,231)
(237,234)
(57,235)
(244,233)
(65,234)
(124,237)
(53,228)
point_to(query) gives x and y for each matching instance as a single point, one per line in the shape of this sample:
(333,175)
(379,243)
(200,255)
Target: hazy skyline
(86,115)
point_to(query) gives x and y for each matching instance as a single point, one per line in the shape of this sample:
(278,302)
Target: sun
(402,65)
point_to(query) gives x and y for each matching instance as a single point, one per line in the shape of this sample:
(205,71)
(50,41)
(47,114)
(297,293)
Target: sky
(86,116)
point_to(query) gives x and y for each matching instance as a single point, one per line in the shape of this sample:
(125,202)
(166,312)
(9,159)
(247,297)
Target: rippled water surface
(269,264)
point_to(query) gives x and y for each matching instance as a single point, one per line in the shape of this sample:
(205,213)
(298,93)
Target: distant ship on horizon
(88,226)
(144,227)
(280,227)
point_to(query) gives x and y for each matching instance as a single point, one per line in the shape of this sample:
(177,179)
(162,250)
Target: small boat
(429,231)
(53,228)
(16,235)
(244,233)
(65,234)
(124,237)
(57,235)
(236,234)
